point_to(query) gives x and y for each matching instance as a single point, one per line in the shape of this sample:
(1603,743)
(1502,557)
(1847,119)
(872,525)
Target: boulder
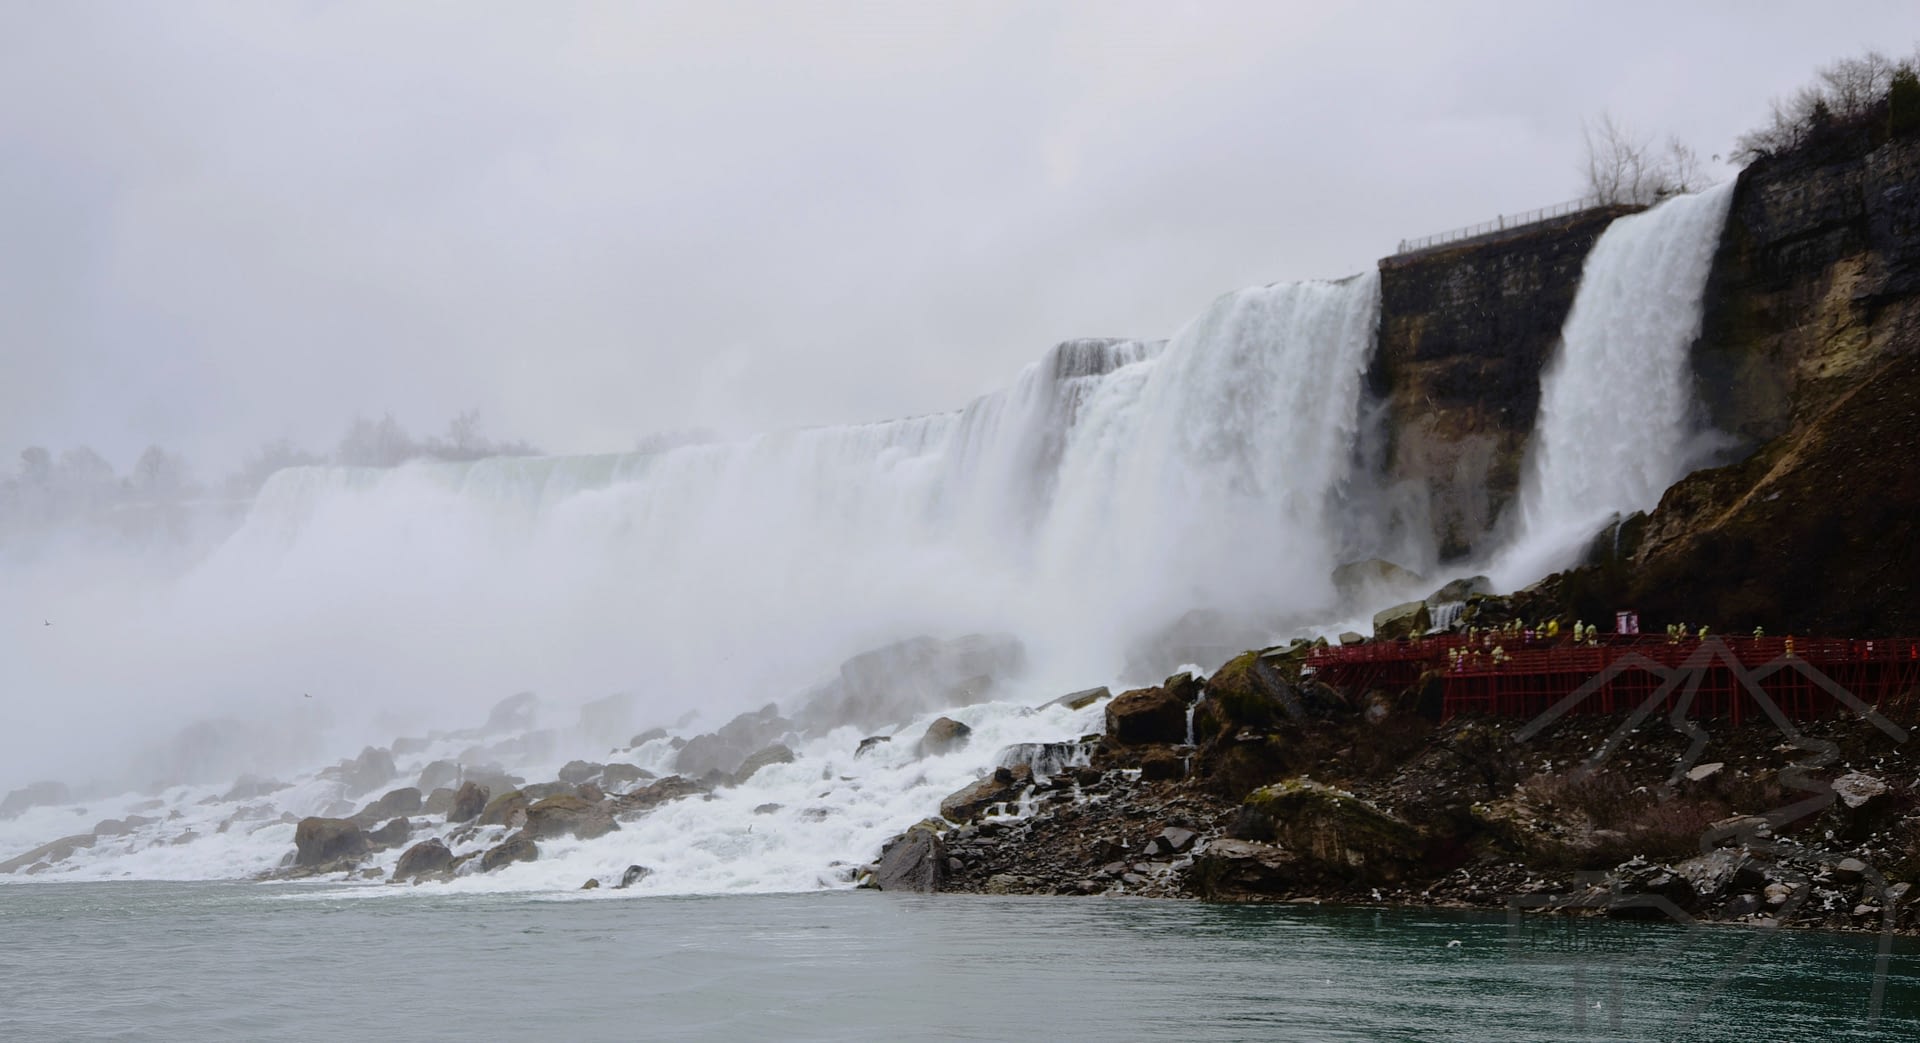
(650,735)
(944,736)
(38,794)
(1078,700)
(775,754)
(1004,785)
(404,801)
(867,744)
(634,875)
(438,803)
(48,853)
(543,790)
(1147,715)
(650,796)
(590,792)
(442,773)
(393,834)
(726,748)
(507,809)
(427,858)
(469,802)
(1857,790)
(916,861)
(1161,764)
(321,841)
(1406,620)
(1231,868)
(1173,840)
(1247,692)
(1334,831)
(577,772)
(516,848)
(568,815)
(1349,638)
(112,827)
(618,776)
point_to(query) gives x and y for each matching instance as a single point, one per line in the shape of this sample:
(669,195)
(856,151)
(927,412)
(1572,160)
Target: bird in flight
(48,623)
(307,694)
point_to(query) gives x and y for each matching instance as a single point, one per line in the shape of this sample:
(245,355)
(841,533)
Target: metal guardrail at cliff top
(1503,223)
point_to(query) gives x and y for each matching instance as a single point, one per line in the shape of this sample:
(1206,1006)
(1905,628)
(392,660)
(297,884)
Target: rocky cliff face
(1464,333)
(1807,356)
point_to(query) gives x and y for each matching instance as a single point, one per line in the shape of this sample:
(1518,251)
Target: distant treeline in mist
(51,490)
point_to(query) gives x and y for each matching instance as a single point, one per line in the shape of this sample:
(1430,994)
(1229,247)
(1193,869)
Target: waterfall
(1617,422)
(1113,487)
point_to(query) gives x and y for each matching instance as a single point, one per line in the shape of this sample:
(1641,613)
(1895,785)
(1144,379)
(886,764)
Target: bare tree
(1624,168)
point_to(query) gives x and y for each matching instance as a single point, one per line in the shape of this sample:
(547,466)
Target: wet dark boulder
(944,735)
(440,773)
(1147,715)
(322,841)
(568,815)
(652,795)
(1079,700)
(405,801)
(393,834)
(427,858)
(632,876)
(726,748)
(508,809)
(516,848)
(371,770)
(914,862)
(543,790)
(619,776)
(870,743)
(774,754)
(1248,691)
(1402,621)
(468,802)
(1232,869)
(1344,837)
(1004,785)
(577,772)
(650,735)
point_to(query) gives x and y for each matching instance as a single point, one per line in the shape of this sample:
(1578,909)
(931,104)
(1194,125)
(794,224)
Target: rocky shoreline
(1261,785)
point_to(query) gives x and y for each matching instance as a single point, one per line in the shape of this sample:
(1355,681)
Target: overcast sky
(227,222)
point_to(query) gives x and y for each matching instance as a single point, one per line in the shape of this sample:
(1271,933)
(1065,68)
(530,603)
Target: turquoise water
(243,961)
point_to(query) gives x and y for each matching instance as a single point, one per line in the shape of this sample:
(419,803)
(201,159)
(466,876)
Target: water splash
(1114,487)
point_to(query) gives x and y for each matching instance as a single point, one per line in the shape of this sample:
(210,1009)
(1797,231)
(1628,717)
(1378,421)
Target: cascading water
(1114,487)
(1617,423)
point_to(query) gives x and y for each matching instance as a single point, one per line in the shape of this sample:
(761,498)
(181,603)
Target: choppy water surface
(239,961)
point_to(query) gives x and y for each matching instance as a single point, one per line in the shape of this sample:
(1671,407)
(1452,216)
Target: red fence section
(1730,677)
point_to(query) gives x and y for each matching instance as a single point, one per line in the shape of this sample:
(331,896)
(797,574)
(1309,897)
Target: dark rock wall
(1464,333)
(1813,283)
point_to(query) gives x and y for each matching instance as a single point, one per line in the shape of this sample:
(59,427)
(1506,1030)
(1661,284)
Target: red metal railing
(1730,677)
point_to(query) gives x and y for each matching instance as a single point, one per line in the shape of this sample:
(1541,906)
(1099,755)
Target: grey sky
(221,223)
